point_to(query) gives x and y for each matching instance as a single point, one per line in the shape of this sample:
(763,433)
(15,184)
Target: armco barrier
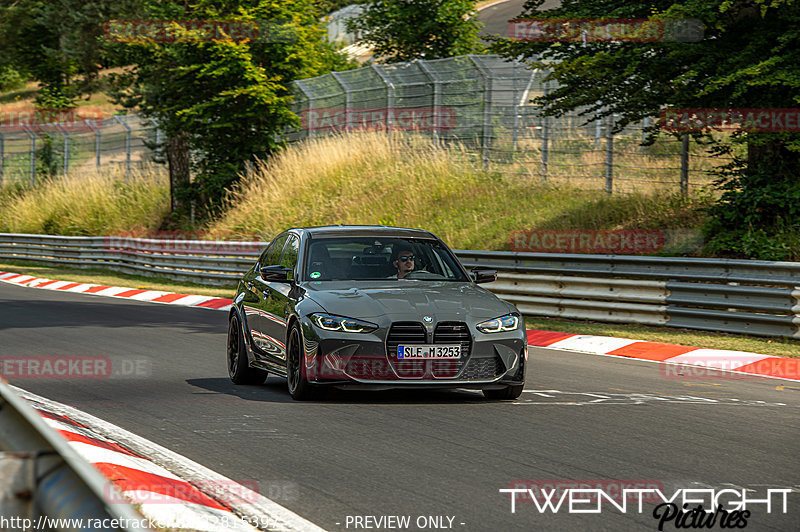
(52,482)
(738,296)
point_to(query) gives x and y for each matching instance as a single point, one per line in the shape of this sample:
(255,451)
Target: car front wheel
(299,387)
(239,370)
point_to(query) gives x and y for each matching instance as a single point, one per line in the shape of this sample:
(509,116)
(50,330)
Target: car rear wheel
(239,370)
(512,391)
(299,387)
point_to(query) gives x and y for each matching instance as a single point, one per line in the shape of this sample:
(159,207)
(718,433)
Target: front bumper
(363,359)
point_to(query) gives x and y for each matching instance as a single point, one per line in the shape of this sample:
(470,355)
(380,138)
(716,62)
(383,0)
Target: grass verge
(104,277)
(405,180)
(783,347)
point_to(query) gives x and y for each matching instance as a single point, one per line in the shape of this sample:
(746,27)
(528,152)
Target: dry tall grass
(405,180)
(93,204)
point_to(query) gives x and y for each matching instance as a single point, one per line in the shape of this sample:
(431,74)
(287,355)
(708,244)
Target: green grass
(784,347)
(404,180)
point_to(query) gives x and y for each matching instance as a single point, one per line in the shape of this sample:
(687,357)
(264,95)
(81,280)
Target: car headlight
(509,322)
(329,322)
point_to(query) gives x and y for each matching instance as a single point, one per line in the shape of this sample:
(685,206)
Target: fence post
(32,136)
(97,140)
(389,98)
(348,102)
(545,136)
(610,154)
(645,125)
(437,98)
(127,145)
(309,115)
(685,165)
(2,156)
(515,126)
(66,148)
(487,112)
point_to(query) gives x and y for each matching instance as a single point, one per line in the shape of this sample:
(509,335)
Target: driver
(404,261)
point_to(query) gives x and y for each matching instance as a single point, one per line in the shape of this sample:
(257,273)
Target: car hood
(410,300)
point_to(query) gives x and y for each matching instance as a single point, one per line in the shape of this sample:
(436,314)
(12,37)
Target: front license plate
(411,352)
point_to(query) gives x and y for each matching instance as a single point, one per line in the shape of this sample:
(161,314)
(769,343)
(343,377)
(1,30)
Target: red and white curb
(166,487)
(152,296)
(708,359)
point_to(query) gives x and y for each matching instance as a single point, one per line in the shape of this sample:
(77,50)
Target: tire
(239,370)
(299,387)
(512,391)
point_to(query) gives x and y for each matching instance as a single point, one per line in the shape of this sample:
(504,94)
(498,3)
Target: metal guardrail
(52,486)
(737,296)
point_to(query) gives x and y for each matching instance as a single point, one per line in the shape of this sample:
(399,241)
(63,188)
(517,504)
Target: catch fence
(31,150)
(483,102)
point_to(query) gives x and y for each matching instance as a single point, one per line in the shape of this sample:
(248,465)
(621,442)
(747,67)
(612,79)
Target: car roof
(364,230)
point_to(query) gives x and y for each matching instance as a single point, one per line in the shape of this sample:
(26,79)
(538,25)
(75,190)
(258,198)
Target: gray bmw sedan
(375,307)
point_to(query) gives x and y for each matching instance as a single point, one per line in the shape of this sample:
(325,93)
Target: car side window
(289,259)
(274,255)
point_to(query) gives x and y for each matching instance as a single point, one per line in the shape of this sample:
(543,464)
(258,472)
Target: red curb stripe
(82,438)
(45,283)
(13,277)
(63,419)
(95,289)
(129,293)
(129,479)
(68,286)
(544,338)
(218,302)
(651,350)
(787,368)
(169,298)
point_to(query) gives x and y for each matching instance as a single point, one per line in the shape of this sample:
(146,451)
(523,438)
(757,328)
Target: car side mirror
(483,275)
(280,274)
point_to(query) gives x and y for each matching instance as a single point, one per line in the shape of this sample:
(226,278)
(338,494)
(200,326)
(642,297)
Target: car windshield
(372,258)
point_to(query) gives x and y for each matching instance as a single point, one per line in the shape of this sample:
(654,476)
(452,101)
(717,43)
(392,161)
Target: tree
(402,30)
(222,102)
(747,58)
(57,43)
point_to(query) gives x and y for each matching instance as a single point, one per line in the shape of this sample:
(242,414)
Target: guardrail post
(685,165)
(610,154)
(127,145)
(32,136)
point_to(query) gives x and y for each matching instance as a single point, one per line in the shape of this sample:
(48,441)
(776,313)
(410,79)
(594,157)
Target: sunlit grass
(405,180)
(92,204)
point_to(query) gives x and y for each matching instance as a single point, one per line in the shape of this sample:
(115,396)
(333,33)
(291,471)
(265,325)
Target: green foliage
(403,30)
(758,214)
(747,58)
(57,42)
(10,78)
(229,98)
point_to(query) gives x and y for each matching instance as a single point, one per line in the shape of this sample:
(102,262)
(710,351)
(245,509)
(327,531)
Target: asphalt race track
(582,417)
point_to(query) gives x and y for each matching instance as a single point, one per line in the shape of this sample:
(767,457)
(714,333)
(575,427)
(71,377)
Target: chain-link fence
(483,102)
(31,151)
(480,102)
